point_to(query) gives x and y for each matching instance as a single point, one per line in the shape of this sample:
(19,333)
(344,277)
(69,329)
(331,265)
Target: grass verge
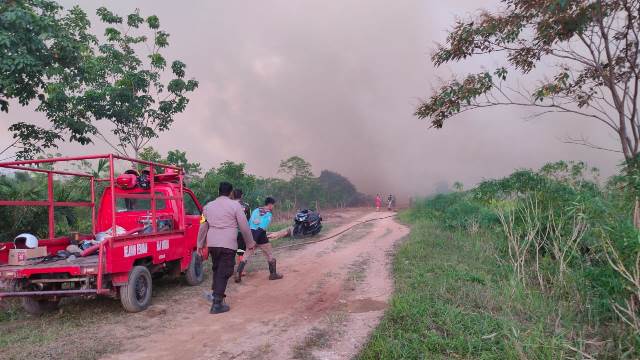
(454,299)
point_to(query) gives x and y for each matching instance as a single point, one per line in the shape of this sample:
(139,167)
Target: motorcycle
(306,223)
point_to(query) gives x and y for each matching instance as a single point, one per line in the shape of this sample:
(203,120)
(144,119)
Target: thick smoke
(336,82)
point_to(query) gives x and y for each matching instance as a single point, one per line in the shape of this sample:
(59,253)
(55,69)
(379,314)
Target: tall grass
(454,299)
(539,265)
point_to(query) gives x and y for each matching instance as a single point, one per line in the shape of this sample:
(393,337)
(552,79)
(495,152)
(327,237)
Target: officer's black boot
(219,306)
(273,274)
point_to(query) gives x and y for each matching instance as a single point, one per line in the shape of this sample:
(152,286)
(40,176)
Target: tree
(150,154)
(232,172)
(595,48)
(174,157)
(33,219)
(458,186)
(40,44)
(338,190)
(300,174)
(295,167)
(179,158)
(206,187)
(125,90)
(82,83)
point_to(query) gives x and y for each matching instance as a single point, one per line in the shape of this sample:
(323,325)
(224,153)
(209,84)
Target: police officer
(224,217)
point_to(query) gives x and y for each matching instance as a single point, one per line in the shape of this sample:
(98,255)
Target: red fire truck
(145,223)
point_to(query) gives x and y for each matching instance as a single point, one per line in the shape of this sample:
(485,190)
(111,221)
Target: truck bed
(80,265)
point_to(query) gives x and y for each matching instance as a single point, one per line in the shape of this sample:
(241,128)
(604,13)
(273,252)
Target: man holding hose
(259,222)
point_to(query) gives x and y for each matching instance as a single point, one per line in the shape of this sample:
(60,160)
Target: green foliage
(82,83)
(575,239)
(453,299)
(38,41)
(301,182)
(456,211)
(179,158)
(330,190)
(174,157)
(302,190)
(125,91)
(23,186)
(40,44)
(458,186)
(338,191)
(591,49)
(296,167)
(206,187)
(452,97)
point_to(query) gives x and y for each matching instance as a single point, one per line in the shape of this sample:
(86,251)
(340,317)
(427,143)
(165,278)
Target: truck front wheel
(136,294)
(195,271)
(39,306)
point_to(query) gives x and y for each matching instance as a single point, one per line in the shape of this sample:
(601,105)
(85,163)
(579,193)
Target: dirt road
(332,295)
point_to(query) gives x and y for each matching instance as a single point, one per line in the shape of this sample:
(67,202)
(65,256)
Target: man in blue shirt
(259,222)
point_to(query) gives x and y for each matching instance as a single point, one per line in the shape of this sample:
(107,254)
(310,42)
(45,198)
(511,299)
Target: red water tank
(127,181)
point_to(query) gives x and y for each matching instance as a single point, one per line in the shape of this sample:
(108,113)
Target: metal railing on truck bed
(32,166)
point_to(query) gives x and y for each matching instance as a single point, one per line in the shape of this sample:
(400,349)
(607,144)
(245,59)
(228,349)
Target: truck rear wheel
(195,271)
(39,306)
(135,296)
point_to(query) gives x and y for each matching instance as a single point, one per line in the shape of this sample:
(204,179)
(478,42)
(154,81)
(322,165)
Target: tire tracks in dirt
(332,288)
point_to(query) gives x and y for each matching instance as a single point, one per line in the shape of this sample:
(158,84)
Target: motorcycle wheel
(297,232)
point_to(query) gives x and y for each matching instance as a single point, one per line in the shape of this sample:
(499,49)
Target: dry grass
(320,337)
(317,338)
(356,273)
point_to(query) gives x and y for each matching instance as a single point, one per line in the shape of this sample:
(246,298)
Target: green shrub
(578,229)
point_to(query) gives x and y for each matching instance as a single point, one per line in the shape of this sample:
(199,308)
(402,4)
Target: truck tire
(195,271)
(135,296)
(39,306)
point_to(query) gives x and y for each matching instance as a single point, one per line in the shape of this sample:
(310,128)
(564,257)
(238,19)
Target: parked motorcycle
(306,223)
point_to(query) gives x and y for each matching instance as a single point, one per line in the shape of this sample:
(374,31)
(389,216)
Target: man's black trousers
(223,260)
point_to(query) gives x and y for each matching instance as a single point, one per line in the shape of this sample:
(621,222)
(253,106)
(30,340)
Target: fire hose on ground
(332,236)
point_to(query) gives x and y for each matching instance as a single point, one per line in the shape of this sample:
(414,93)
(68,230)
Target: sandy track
(331,297)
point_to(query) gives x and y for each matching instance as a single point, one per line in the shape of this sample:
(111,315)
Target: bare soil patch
(328,290)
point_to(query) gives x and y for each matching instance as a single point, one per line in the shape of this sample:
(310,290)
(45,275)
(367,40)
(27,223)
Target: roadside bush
(455,211)
(563,234)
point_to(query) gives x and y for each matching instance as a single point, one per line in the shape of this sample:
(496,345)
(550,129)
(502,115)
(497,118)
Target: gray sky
(336,82)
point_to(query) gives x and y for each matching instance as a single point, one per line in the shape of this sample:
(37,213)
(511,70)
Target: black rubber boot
(219,306)
(238,277)
(273,274)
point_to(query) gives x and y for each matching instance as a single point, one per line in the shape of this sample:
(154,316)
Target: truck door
(192,219)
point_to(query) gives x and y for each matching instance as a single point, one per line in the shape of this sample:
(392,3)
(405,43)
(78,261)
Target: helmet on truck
(26,240)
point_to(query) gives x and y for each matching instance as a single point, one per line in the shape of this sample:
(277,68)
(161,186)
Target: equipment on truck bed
(25,240)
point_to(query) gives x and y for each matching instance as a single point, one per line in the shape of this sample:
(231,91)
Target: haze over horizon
(337,84)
